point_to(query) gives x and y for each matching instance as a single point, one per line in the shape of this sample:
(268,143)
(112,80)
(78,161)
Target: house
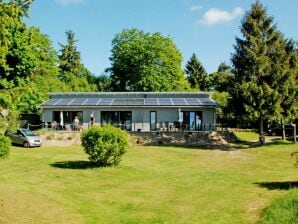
(133,111)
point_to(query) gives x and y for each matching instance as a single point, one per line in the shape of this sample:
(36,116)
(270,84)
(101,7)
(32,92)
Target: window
(120,119)
(153,120)
(192,120)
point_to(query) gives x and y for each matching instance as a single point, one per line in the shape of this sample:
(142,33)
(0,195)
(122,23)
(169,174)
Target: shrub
(4,146)
(105,145)
(283,209)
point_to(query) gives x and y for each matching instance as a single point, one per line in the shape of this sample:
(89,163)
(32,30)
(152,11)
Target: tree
(260,69)
(145,62)
(71,70)
(289,91)
(70,57)
(222,80)
(196,74)
(23,5)
(103,83)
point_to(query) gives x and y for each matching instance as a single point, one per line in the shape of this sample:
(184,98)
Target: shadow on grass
(284,185)
(277,142)
(74,165)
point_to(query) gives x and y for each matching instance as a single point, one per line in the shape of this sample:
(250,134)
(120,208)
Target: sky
(207,28)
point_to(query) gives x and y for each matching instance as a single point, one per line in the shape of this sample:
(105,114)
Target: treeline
(259,84)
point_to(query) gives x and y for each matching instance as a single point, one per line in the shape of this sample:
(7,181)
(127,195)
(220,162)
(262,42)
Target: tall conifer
(261,68)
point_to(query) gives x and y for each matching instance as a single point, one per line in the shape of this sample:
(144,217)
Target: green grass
(247,136)
(151,185)
(283,210)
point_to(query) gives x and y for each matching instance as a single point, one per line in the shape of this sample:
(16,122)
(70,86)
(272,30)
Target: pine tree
(70,58)
(196,74)
(260,67)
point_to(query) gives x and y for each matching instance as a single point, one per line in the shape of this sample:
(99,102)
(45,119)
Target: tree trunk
(283,136)
(261,134)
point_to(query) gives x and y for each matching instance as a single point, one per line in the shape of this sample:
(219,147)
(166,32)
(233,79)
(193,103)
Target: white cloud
(195,8)
(70,2)
(213,16)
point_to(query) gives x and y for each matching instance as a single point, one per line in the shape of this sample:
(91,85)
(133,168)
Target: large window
(153,120)
(66,117)
(120,119)
(192,120)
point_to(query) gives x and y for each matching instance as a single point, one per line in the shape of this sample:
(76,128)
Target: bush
(283,209)
(104,145)
(4,146)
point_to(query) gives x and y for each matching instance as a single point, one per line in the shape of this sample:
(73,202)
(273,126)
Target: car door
(19,138)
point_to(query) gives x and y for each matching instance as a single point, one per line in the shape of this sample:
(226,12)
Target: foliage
(145,62)
(196,74)
(260,65)
(4,146)
(222,80)
(71,70)
(70,57)
(283,209)
(223,116)
(28,102)
(104,83)
(104,145)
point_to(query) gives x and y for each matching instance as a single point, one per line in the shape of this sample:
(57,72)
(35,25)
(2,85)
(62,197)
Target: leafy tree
(145,62)
(103,83)
(28,102)
(196,74)
(259,68)
(221,80)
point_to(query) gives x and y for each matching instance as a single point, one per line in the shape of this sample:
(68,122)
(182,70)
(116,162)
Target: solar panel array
(129,102)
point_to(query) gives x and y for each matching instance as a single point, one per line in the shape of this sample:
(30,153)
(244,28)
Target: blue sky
(205,27)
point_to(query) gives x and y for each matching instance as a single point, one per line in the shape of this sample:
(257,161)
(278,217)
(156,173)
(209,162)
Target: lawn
(151,185)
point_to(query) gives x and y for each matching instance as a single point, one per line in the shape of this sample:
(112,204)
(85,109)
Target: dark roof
(129,99)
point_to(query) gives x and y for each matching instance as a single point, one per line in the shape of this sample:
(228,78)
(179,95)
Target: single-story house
(132,111)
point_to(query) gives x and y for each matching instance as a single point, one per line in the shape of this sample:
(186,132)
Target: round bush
(4,146)
(105,145)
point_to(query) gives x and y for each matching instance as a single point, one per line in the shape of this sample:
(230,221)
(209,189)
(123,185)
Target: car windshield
(28,133)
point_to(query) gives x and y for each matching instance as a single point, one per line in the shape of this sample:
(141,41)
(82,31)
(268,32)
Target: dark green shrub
(4,146)
(105,145)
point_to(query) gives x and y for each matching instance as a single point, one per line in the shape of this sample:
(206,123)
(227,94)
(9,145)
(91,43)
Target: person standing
(92,119)
(76,124)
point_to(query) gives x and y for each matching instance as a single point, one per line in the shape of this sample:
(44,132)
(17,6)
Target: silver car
(24,137)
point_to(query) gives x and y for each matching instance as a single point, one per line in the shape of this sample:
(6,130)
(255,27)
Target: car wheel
(26,145)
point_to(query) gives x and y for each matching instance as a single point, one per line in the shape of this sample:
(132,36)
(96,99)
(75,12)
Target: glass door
(192,121)
(153,120)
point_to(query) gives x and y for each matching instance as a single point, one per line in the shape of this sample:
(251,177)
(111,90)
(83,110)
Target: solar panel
(77,102)
(150,101)
(164,101)
(51,102)
(105,101)
(63,102)
(179,101)
(128,102)
(91,102)
(193,101)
